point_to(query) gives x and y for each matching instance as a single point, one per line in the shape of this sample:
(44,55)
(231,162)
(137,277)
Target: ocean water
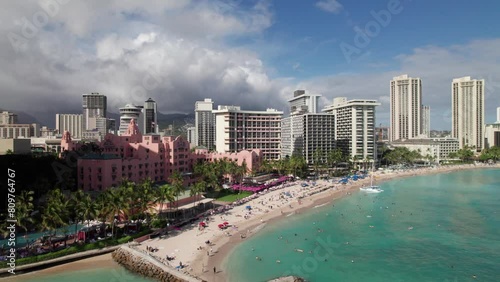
(96,274)
(443,227)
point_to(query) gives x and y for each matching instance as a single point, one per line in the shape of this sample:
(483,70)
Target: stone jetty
(145,265)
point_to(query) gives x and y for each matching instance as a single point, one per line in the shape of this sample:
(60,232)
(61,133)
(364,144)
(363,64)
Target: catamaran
(372,188)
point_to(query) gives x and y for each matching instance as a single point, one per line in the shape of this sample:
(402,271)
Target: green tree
(177,182)
(165,193)
(55,212)
(24,209)
(333,158)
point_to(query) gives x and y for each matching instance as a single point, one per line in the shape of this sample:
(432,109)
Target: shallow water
(442,227)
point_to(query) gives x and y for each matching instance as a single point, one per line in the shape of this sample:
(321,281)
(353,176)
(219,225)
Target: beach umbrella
(226,223)
(248,207)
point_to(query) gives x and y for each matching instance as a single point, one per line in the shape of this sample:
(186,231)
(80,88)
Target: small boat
(299,250)
(372,188)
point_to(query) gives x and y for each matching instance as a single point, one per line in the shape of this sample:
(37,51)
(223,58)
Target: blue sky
(252,53)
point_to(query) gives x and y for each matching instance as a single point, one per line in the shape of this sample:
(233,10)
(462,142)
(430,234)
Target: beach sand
(101,261)
(185,244)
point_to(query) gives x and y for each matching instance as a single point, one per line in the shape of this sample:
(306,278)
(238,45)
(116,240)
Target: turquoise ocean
(443,227)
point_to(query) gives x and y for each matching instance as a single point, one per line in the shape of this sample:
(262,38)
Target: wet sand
(184,244)
(101,261)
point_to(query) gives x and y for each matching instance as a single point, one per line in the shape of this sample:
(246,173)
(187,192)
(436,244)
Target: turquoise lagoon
(443,227)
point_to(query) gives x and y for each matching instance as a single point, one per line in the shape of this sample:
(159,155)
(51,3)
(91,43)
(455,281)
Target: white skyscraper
(304,102)
(306,131)
(71,123)
(239,130)
(405,108)
(354,126)
(426,121)
(128,113)
(204,134)
(467,96)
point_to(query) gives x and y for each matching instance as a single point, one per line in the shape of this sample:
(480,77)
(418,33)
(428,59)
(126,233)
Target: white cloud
(175,50)
(331,6)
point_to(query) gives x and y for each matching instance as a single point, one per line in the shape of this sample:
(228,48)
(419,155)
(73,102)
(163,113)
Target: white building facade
(405,107)
(354,126)
(304,102)
(128,113)
(71,123)
(426,121)
(492,133)
(467,125)
(238,130)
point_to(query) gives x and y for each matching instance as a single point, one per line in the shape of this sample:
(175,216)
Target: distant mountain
(48,118)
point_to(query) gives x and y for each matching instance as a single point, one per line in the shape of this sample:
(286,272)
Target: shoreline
(227,245)
(183,244)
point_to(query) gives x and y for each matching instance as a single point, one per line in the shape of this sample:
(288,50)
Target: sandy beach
(104,261)
(199,258)
(189,244)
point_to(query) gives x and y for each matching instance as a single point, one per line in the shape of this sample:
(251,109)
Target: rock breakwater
(142,264)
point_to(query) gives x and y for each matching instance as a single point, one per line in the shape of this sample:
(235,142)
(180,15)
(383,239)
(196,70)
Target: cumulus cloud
(331,6)
(175,52)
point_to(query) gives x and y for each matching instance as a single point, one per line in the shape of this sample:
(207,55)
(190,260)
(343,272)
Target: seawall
(145,265)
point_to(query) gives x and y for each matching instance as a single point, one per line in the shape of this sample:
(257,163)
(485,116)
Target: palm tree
(146,198)
(197,188)
(164,193)
(75,202)
(334,157)
(117,205)
(103,210)
(87,208)
(55,212)
(24,209)
(266,166)
(177,185)
(241,170)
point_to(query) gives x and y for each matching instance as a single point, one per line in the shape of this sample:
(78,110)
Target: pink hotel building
(135,157)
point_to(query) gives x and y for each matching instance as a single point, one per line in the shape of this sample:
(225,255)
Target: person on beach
(215,270)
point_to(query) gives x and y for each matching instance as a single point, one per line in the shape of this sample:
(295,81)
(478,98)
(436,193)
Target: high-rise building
(492,133)
(354,126)
(8,118)
(191,132)
(306,131)
(150,117)
(13,131)
(204,124)
(467,119)
(303,102)
(405,108)
(128,113)
(426,121)
(71,123)
(94,106)
(238,130)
